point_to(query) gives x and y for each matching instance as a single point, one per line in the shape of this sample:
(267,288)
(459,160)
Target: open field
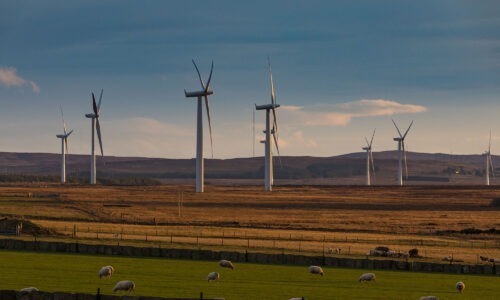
(291,219)
(180,278)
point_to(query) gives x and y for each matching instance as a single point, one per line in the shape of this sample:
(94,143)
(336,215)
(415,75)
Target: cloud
(342,114)
(8,77)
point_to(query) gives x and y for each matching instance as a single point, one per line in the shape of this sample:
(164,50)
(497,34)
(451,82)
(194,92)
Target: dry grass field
(291,218)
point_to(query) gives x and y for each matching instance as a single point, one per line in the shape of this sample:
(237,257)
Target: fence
(253,257)
(277,241)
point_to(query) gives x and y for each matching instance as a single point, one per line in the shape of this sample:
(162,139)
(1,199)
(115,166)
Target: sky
(340,70)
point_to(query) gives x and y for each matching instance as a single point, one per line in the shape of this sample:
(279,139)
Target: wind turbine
(489,163)
(268,176)
(401,152)
(199,125)
(95,127)
(369,159)
(64,147)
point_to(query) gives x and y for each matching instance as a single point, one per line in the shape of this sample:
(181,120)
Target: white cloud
(8,77)
(342,114)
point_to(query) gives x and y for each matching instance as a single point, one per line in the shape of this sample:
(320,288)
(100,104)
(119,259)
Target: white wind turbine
(369,159)
(64,148)
(95,127)
(489,163)
(401,152)
(268,165)
(199,125)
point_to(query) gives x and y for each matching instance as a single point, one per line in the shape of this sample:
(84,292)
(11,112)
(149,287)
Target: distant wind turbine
(64,147)
(269,176)
(401,152)
(95,127)
(369,159)
(204,93)
(489,163)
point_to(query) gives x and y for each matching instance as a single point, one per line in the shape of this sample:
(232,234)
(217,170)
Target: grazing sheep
(213,276)
(226,264)
(29,290)
(315,270)
(367,277)
(429,298)
(106,271)
(124,285)
(460,286)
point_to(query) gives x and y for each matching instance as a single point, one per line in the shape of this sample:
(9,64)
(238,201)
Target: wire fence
(317,243)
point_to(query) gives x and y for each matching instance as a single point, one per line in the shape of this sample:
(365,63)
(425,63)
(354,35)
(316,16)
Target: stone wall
(15,295)
(261,258)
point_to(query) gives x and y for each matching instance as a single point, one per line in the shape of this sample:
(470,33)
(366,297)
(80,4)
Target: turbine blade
(68,134)
(397,128)
(277,148)
(407,130)
(275,124)
(367,143)
(66,143)
(98,129)
(94,105)
(199,75)
(99,104)
(489,145)
(492,167)
(371,159)
(62,117)
(406,164)
(273,98)
(209,124)
(373,135)
(209,77)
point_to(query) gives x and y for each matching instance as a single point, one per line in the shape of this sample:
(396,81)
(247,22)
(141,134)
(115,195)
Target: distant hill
(424,168)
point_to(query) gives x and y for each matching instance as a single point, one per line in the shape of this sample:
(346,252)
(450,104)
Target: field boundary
(252,257)
(15,295)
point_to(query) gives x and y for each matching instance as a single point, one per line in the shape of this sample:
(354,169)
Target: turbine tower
(199,125)
(401,152)
(268,163)
(94,121)
(64,148)
(489,163)
(369,159)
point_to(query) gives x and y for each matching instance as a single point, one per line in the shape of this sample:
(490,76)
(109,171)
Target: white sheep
(213,276)
(428,298)
(106,271)
(29,290)
(315,270)
(367,277)
(124,285)
(226,264)
(460,286)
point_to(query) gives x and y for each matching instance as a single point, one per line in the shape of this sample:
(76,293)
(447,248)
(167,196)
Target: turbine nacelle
(267,106)
(90,116)
(198,94)
(398,139)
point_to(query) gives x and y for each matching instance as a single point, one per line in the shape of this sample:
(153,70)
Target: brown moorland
(438,220)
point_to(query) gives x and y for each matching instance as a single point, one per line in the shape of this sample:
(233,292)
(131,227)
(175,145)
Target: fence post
(201,295)
(98,295)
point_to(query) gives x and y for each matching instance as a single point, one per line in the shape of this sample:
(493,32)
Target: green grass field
(187,278)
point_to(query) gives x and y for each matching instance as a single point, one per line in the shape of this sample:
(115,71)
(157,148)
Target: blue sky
(341,68)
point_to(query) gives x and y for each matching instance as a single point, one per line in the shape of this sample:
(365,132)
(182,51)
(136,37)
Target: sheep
(315,270)
(213,276)
(106,271)
(484,258)
(28,290)
(460,286)
(226,264)
(124,285)
(367,277)
(428,298)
